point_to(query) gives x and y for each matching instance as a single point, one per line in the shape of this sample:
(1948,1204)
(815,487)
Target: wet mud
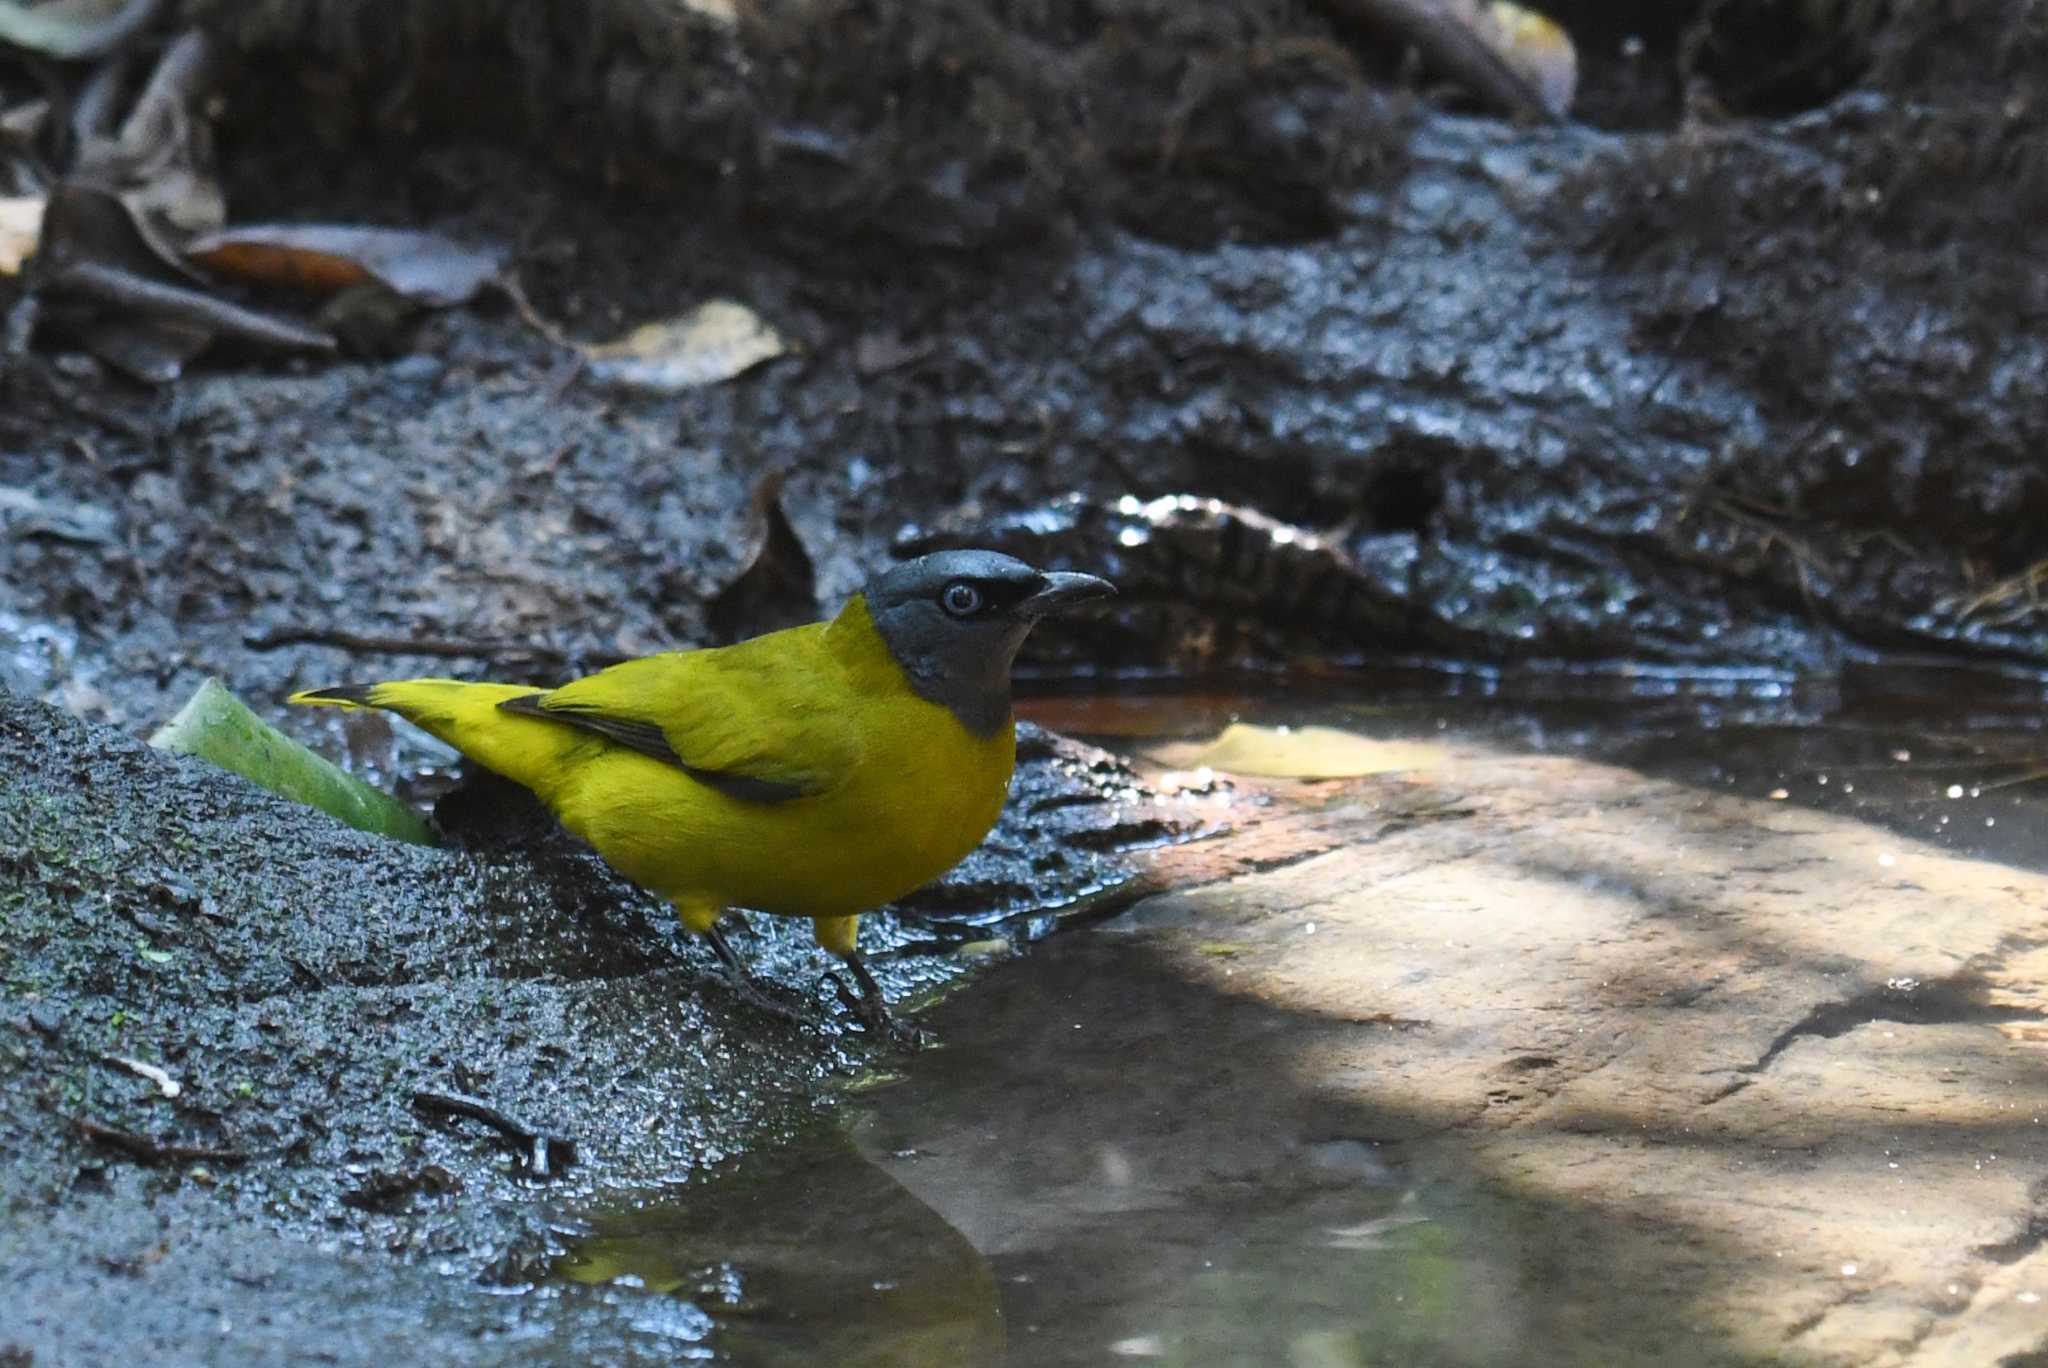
(1698,386)
(300,986)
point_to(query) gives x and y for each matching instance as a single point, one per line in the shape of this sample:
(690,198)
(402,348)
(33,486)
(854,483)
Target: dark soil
(1720,392)
(301,982)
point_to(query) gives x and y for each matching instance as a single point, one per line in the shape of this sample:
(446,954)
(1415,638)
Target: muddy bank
(298,983)
(1739,387)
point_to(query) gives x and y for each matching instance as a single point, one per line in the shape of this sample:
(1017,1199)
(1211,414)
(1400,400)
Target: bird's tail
(525,749)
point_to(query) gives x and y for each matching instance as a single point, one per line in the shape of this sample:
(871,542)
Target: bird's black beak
(1062,590)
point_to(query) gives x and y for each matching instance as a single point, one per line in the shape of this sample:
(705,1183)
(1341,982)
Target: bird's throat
(973,685)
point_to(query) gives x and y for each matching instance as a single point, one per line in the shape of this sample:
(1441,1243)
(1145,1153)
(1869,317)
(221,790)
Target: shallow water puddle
(807,1254)
(1695,1059)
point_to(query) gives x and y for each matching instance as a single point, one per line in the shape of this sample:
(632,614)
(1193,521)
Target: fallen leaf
(21,224)
(159,168)
(1299,753)
(216,726)
(714,342)
(137,298)
(1539,50)
(778,587)
(325,258)
(1489,54)
(73,29)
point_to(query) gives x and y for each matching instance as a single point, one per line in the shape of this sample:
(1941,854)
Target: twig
(394,645)
(154,1151)
(541,1153)
(165,1084)
(507,282)
(160,300)
(2022,589)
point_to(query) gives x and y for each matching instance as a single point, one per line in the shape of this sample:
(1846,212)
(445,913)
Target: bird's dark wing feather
(644,737)
(613,705)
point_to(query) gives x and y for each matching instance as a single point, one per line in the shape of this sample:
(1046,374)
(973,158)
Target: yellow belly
(924,795)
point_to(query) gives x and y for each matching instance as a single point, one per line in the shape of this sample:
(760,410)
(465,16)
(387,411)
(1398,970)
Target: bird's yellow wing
(766,721)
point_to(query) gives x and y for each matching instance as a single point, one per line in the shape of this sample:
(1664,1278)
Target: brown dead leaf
(326,258)
(159,168)
(716,341)
(778,587)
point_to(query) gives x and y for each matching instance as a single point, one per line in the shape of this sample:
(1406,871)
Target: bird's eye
(961,599)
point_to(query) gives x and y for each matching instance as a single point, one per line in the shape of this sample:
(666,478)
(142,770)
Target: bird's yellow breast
(919,793)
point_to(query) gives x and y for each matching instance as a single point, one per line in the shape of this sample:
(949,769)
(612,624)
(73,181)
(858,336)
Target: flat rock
(1672,1073)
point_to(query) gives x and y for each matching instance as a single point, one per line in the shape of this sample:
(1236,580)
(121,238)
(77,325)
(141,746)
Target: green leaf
(214,725)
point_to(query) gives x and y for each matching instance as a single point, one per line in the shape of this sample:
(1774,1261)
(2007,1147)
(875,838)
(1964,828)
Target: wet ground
(1613,1013)
(1352,1111)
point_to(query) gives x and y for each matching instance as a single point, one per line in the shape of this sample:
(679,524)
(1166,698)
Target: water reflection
(1955,758)
(806,1255)
(1151,1179)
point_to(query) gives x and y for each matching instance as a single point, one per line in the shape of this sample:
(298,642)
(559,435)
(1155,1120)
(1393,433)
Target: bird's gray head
(954,621)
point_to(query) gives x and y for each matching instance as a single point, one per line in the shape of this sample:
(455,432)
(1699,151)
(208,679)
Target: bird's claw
(752,994)
(874,1015)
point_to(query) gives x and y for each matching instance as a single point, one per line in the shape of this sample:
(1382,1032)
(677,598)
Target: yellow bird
(815,772)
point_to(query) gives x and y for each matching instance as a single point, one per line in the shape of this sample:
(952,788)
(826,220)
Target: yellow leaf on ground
(21,225)
(713,342)
(1539,50)
(1299,753)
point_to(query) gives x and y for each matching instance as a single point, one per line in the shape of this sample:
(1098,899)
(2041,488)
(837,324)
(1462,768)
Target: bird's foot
(750,992)
(872,1011)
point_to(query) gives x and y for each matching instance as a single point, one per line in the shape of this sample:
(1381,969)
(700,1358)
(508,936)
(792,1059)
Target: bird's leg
(840,938)
(747,988)
(871,1007)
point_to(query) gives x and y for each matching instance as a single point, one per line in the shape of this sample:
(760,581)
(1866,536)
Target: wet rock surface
(1594,1067)
(298,984)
